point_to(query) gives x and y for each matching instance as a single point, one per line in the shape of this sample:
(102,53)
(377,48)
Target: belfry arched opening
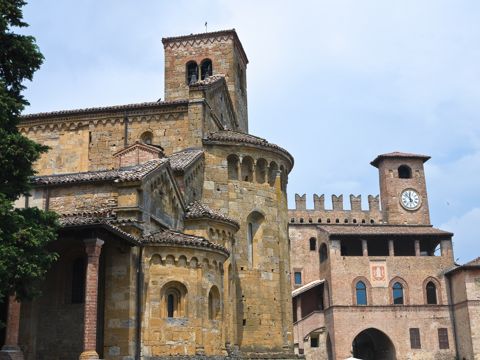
(372,344)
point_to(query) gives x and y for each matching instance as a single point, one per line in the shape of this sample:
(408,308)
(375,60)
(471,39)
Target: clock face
(410,199)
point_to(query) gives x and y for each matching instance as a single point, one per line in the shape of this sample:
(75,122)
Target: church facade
(174,236)
(381,283)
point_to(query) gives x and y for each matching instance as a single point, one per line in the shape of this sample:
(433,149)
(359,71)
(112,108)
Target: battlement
(337,214)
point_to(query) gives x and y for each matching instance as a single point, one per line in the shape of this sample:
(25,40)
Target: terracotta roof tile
(198,210)
(242,138)
(89,219)
(103,109)
(168,237)
(365,230)
(399,155)
(131,173)
(181,160)
(209,81)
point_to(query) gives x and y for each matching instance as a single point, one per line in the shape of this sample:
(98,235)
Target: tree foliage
(24,233)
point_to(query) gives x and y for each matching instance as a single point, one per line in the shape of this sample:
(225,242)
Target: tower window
(313,244)
(361,293)
(323,252)
(206,69)
(443,338)
(431,293)
(397,290)
(404,172)
(192,72)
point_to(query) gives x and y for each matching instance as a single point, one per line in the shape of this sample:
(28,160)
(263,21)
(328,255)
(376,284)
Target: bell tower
(403,190)
(194,57)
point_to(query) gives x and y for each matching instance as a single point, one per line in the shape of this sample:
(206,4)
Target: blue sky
(335,82)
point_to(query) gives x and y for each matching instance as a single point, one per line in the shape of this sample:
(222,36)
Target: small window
(192,72)
(147,138)
(431,293)
(415,338)
(361,293)
(78,281)
(323,252)
(171,305)
(206,69)
(314,341)
(298,278)
(313,244)
(250,243)
(213,303)
(443,338)
(397,290)
(404,172)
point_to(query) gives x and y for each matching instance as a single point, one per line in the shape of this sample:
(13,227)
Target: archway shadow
(373,344)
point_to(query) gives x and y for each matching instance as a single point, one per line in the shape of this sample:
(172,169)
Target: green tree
(24,233)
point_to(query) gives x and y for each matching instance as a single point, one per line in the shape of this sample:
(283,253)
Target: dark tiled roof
(363,230)
(198,210)
(182,160)
(242,138)
(471,265)
(103,109)
(168,237)
(131,173)
(206,36)
(95,219)
(398,155)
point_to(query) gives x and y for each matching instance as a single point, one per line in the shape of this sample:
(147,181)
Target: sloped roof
(235,137)
(95,219)
(198,210)
(398,155)
(131,173)
(166,237)
(471,265)
(182,160)
(366,230)
(104,109)
(307,287)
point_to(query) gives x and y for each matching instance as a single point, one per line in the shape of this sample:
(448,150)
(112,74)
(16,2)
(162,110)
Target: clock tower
(403,191)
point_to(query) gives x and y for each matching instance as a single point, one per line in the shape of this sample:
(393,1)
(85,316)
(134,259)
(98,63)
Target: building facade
(381,283)
(172,216)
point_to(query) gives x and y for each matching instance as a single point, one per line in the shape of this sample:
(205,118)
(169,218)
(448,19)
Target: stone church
(177,242)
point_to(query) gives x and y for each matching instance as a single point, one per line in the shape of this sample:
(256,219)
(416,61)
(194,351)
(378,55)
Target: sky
(335,82)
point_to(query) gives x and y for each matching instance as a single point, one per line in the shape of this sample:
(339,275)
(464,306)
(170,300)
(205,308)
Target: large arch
(373,344)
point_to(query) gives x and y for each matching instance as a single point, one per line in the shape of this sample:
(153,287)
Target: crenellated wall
(338,214)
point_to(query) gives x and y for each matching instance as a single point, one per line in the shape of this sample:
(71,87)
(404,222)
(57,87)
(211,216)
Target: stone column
(11,350)
(391,248)
(364,248)
(93,248)
(417,247)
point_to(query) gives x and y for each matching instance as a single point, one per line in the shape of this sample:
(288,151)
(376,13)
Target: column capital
(93,246)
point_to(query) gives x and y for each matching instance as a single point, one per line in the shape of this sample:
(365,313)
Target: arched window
(261,170)
(147,137)
(323,252)
(232,163)
(78,281)
(213,303)
(431,293)
(272,173)
(361,293)
(404,172)
(247,169)
(206,69)
(313,244)
(173,297)
(192,72)
(397,292)
(254,223)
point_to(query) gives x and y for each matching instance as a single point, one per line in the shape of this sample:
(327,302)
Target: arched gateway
(372,344)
